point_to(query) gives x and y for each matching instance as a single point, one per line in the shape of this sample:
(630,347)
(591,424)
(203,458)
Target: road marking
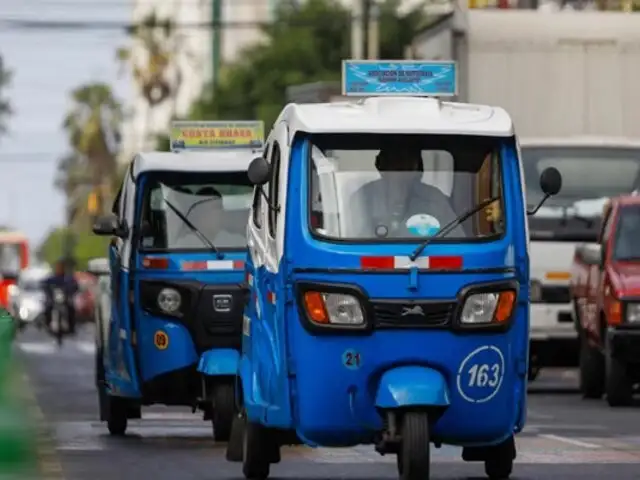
(570,441)
(87,347)
(38,348)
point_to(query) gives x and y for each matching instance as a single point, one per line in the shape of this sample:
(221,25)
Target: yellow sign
(209,135)
(161,340)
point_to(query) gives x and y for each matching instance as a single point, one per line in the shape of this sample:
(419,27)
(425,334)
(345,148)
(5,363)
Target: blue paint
(219,361)
(402,77)
(412,386)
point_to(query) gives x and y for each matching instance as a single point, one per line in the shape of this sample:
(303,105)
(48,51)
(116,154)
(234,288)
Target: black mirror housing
(110,225)
(550,181)
(259,171)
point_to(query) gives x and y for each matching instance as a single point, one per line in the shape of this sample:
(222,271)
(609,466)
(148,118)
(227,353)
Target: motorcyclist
(63,279)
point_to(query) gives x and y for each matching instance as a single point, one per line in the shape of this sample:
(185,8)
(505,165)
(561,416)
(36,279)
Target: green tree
(5,106)
(305,43)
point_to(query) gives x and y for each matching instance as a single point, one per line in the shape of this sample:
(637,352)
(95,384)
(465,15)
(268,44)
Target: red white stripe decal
(213,265)
(400,263)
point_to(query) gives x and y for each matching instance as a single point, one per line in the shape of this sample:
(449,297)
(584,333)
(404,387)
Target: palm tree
(93,126)
(5,107)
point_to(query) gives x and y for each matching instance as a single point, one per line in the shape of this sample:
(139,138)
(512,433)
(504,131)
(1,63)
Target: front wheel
(591,370)
(223,411)
(498,464)
(414,460)
(619,387)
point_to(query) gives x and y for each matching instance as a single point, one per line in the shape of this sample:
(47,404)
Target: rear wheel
(255,460)
(414,462)
(117,415)
(223,411)
(591,370)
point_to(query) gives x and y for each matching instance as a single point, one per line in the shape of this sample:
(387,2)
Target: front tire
(255,461)
(499,463)
(592,376)
(619,387)
(414,462)
(223,411)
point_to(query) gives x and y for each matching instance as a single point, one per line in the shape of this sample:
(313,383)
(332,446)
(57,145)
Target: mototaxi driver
(63,279)
(400,194)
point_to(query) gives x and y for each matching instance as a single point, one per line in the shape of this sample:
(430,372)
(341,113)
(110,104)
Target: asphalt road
(566,437)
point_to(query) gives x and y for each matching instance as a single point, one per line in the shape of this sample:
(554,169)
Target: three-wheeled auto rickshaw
(389,277)
(177,278)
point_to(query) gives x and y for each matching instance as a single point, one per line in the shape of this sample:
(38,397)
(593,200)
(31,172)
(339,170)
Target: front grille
(555,294)
(418,314)
(219,310)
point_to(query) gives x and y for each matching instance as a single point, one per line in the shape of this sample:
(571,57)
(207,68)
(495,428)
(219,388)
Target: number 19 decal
(481,374)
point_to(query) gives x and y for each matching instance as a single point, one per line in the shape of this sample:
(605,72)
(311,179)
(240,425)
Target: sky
(47,65)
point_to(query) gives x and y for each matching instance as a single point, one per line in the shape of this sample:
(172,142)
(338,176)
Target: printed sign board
(368,78)
(209,135)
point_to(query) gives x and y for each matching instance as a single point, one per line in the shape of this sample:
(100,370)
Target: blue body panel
(127,365)
(412,386)
(294,378)
(219,361)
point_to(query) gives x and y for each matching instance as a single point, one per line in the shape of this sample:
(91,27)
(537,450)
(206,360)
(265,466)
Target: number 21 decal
(351,359)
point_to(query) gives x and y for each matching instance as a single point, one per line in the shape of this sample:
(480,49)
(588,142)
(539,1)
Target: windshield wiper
(194,229)
(451,225)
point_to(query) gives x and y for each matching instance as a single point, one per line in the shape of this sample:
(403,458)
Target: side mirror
(110,225)
(259,171)
(550,184)
(550,181)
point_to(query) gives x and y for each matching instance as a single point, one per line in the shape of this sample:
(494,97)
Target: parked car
(606,288)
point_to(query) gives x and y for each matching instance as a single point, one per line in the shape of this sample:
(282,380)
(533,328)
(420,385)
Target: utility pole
(216,47)
(373,30)
(357,30)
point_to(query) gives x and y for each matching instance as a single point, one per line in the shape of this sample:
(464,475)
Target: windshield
(403,187)
(626,245)
(590,175)
(10,259)
(217,204)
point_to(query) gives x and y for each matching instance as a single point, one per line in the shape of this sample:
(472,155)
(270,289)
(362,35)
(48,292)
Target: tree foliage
(5,106)
(86,246)
(306,43)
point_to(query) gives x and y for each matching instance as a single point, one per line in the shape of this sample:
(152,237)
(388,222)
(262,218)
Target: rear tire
(592,376)
(619,387)
(117,415)
(414,462)
(255,461)
(224,407)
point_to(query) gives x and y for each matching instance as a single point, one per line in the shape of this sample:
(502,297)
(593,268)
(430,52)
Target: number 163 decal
(481,374)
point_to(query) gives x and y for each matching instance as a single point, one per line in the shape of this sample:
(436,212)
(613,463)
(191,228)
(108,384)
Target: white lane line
(570,441)
(38,348)
(86,347)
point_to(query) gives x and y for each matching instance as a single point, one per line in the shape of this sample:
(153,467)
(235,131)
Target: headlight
(488,308)
(535,291)
(333,308)
(633,313)
(23,313)
(12,290)
(169,300)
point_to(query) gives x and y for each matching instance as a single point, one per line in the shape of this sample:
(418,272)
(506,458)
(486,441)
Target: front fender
(219,361)
(412,386)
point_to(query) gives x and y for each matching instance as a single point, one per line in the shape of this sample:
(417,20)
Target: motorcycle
(59,324)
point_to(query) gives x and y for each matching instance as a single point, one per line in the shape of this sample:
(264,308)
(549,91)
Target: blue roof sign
(368,78)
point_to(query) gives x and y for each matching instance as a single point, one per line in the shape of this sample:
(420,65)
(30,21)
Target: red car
(85,299)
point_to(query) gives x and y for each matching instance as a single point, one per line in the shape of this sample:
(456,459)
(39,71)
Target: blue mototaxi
(177,286)
(376,323)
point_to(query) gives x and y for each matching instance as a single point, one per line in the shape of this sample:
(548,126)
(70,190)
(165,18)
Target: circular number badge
(161,340)
(481,374)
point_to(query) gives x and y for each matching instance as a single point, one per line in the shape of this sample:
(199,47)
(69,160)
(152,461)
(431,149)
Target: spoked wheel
(223,411)
(499,462)
(255,460)
(414,460)
(117,415)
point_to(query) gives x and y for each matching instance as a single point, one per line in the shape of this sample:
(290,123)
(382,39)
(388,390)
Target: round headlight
(169,300)
(535,291)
